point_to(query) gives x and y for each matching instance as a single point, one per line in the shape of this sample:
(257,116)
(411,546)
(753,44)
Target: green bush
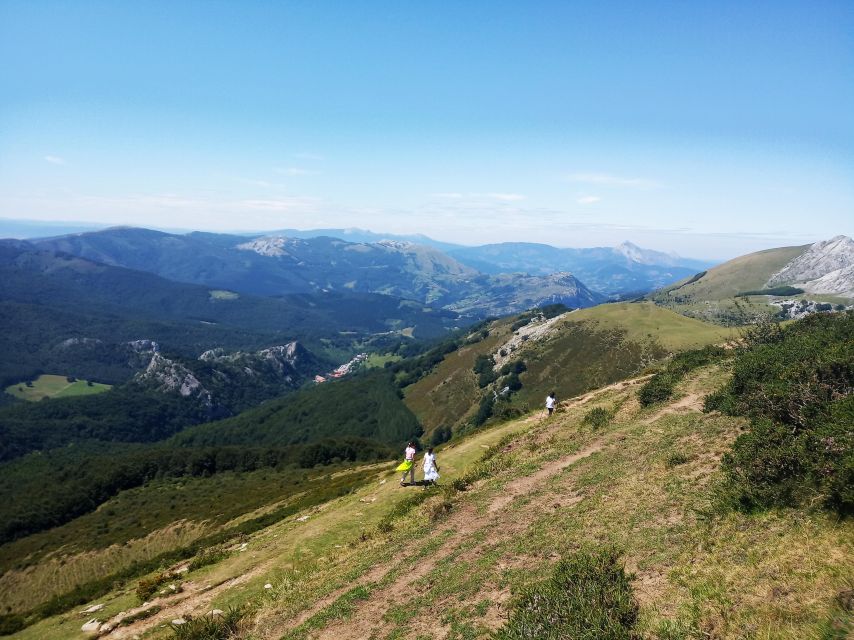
(795,384)
(661,386)
(589,596)
(597,418)
(675,459)
(211,627)
(211,555)
(147,587)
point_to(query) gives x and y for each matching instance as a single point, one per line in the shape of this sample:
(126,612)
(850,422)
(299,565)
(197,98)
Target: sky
(707,129)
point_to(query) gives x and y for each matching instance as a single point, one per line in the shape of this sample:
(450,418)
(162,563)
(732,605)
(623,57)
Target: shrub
(660,387)
(597,418)
(589,595)
(211,555)
(795,385)
(211,627)
(147,587)
(675,459)
(657,389)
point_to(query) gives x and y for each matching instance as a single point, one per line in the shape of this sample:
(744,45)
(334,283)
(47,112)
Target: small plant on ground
(147,587)
(211,555)
(223,626)
(589,595)
(675,459)
(597,418)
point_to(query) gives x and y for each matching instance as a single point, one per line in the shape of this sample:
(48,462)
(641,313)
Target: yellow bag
(406,465)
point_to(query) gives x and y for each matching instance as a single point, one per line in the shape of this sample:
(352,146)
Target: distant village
(344,369)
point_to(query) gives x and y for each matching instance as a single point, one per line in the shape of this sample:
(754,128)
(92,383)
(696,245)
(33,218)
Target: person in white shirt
(408,466)
(550,402)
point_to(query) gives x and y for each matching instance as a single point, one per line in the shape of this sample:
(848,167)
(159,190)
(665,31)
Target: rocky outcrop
(826,267)
(170,376)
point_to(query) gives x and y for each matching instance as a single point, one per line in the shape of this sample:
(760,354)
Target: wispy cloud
(295,171)
(609,180)
(588,199)
(54,159)
(455,195)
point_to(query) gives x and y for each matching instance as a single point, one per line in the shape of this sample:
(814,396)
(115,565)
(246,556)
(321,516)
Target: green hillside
(582,350)
(710,295)
(555,510)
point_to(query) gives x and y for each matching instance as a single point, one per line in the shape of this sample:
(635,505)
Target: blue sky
(710,129)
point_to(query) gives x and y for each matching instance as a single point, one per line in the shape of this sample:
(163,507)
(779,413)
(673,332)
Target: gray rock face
(169,375)
(826,267)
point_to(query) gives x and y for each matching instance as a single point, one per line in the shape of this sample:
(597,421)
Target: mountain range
(278,265)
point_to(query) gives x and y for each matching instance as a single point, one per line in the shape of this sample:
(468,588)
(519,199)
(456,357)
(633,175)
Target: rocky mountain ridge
(826,267)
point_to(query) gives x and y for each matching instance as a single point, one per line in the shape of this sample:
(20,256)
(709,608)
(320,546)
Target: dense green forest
(367,406)
(80,460)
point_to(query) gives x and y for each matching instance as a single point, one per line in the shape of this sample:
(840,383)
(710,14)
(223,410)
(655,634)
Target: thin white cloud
(588,199)
(455,195)
(278,204)
(608,180)
(54,159)
(506,197)
(295,171)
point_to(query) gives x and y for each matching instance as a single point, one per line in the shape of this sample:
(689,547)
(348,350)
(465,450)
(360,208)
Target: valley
(239,446)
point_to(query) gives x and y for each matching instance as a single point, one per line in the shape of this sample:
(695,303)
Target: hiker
(408,465)
(431,469)
(550,402)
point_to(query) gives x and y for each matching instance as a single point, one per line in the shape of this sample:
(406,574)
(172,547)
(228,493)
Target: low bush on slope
(795,384)
(660,387)
(588,596)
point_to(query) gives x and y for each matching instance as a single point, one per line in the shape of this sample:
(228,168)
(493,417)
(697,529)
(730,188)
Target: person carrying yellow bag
(408,465)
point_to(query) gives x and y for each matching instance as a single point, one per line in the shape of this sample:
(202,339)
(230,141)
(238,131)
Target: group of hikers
(431,469)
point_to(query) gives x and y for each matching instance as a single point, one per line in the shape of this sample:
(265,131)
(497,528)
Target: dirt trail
(195,600)
(693,402)
(465,523)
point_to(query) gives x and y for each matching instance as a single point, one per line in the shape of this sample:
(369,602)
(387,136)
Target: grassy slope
(53,386)
(450,392)
(587,349)
(711,296)
(555,486)
(643,321)
(744,273)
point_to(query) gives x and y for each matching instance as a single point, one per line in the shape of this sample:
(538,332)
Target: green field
(644,321)
(53,386)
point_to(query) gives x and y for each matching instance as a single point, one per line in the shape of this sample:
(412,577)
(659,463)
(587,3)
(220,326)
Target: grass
(55,386)
(379,360)
(644,321)
(647,492)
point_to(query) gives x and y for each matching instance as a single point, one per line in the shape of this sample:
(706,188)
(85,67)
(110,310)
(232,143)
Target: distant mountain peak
(637,254)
